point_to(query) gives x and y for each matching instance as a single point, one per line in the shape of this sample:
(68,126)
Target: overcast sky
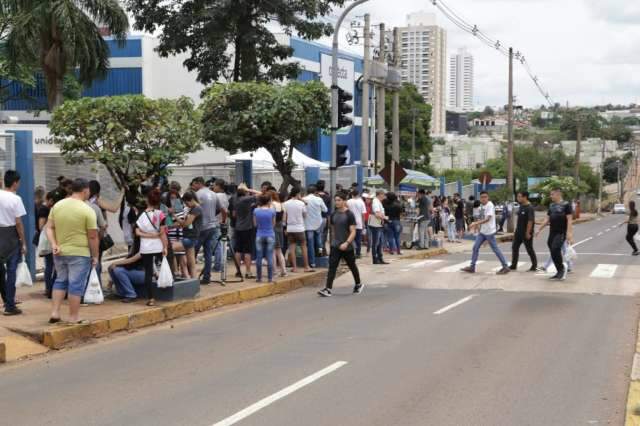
(583,51)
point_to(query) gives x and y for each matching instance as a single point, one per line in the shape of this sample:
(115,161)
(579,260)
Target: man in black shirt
(343,232)
(524,232)
(559,219)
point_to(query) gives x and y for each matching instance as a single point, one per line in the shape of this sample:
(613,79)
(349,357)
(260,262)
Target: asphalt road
(423,345)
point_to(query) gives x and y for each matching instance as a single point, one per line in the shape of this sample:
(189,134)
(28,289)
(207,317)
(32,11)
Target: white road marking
(424,263)
(454,305)
(604,270)
(240,415)
(583,241)
(607,230)
(600,234)
(458,266)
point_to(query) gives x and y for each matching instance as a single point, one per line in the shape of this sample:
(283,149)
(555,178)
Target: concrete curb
(632,417)
(58,338)
(14,347)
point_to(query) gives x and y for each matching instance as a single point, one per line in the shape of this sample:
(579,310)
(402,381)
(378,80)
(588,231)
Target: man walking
(524,232)
(12,240)
(560,221)
(376,226)
(359,210)
(73,232)
(486,224)
(343,233)
(210,231)
(313,223)
(424,211)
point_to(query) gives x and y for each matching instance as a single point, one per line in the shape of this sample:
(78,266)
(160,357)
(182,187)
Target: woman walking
(152,230)
(264,219)
(632,227)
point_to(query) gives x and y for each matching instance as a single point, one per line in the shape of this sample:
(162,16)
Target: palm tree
(60,36)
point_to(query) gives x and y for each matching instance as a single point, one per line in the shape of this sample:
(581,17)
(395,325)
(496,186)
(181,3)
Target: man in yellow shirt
(73,232)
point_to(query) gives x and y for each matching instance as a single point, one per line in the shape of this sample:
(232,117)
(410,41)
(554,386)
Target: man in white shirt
(295,211)
(313,222)
(359,209)
(376,226)
(12,240)
(486,223)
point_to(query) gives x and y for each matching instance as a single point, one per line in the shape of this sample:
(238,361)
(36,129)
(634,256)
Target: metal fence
(346,175)
(7,153)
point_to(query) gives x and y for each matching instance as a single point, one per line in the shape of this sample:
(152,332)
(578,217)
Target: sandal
(53,320)
(309,270)
(249,277)
(151,302)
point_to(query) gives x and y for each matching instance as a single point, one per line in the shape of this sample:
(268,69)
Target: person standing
(486,224)
(459,216)
(359,209)
(244,230)
(326,197)
(42,216)
(210,231)
(191,225)
(343,234)
(12,240)
(524,232)
(560,222)
(424,223)
(278,230)
(313,223)
(223,200)
(632,227)
(73,233)
(393,209)
(376,226)
(264,219)
(295,211)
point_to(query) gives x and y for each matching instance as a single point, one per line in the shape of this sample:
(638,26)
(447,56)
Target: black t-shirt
(193,231)
(341,221)
(558,217)
(459,209)
(244,212)
(42,213)
(526,214)
(393,210)
(327,202)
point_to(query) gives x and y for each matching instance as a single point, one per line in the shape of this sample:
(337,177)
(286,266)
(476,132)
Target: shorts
(244,241)
(73,274)
(189,243)
(279,237)
(297,238)
(460,225)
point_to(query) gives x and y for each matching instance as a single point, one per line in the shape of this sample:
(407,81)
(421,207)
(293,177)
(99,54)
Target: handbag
(106,242)
(44,246)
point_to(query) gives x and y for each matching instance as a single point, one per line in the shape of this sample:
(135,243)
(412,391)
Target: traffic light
(344,108)
(343,156)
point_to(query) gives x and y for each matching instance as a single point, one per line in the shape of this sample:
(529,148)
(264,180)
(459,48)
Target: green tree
(411,105)
(610,169)
(570,189)
(591,123)
(62,36)
(231,39)
(488,112)
(245,116)
(617,130)
(453,175)
(133,137)
(12,75)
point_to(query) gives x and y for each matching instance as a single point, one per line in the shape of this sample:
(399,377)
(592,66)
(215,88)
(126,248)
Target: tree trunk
(285,167)
(54,67)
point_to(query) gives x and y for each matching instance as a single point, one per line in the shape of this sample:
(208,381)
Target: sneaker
(533,269)
(635,253)
(513,267)
(325,292)
(358,288)
(541,269)
(469,269)
(565,272)
(504,271)
(556,277)
(12,312)
(205,282)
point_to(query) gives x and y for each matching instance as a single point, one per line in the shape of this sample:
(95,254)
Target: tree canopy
(133,137)
(231,39)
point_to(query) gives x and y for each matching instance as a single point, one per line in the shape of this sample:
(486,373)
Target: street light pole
(413,140)
(601,177)
(334,97)
(364,139)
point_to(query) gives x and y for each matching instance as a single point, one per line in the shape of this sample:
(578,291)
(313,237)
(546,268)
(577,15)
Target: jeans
(314,241)
(632,229)
(49,273)
(73,274)
(423,230)
(394,229)
(358,242)
(556,244)
(451,231)
(376,235)
(491,239)
(148,261)
(8,282)
(264,248)
(126,281)
(334,261)
(218,247)
(518,240)
(207,239)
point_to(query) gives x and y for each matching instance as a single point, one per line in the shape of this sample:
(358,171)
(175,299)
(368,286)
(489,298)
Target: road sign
(485,178)
(399,174)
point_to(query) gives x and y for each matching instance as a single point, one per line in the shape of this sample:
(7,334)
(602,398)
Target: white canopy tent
(262,160)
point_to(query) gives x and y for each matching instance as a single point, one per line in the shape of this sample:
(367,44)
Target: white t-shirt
(295,210)
(488,228)
(11,207)
(358,208)
(376,207)
(315,208)
(150,222)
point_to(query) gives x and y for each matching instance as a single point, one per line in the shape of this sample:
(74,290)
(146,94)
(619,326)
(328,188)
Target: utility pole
(619,164)
(413,140)
(364,137)
(576,173)
(452,154)
(600,185)
(395,141)
(380,107)
(510,137)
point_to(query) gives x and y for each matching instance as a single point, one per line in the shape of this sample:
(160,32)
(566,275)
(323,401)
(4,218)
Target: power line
(458,21)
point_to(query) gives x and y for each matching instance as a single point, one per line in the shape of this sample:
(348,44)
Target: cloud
(615,11)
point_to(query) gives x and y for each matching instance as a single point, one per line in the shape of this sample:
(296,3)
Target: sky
(584,52)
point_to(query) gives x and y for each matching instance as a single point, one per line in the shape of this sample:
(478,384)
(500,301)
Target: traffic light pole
(334,99)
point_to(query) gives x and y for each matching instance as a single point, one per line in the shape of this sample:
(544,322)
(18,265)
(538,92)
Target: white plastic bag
(570,254)
(165,277)
(93,294)
(23,276)
(44,246)
(637,238)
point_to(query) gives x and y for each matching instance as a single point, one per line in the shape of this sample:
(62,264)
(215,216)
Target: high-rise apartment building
(423,62)
(461,81)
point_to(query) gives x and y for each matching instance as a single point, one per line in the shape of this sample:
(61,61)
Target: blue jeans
(73,274)
(376,235)
(481,238)
(451,231)
(264,248)
(8,283)
(314,239)
(358,242)
(49,273)
(208,238)
(393,231)
(126,280)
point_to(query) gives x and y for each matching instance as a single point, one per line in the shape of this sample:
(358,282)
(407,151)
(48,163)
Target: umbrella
(414,177)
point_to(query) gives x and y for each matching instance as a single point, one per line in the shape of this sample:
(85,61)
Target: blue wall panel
(311,51)
(119,81)
(132,48)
